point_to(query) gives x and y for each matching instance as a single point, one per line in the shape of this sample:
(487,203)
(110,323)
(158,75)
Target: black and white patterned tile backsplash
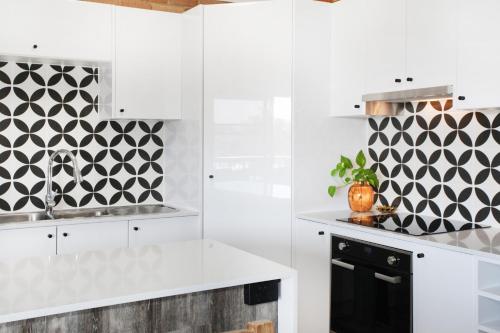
(439,161)
(44,108)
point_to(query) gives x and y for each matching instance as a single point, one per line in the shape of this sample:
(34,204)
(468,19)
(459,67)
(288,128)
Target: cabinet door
(431,41)
(28,242)
(60,29)
(148,64)
(478,50)
(91,236)
(77,30)
(247,127)
(164,230)
(385,45)
(312,261)
(443,291)
(348,70)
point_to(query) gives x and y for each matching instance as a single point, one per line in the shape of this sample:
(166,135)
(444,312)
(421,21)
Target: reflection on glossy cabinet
(164,230)
(147,64)
(56,29)
(478,52)
(28,242)
(347,62)
(443,291)
(312,261)
(91,236)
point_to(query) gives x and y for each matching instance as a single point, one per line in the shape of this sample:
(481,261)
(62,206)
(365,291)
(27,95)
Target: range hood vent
(392,103)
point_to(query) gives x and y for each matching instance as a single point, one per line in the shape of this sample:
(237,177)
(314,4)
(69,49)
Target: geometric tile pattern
(48,107)
(437,161)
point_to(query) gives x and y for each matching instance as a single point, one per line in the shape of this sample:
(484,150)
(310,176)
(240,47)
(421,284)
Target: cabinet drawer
(164,230)
(92,236)
(28,242)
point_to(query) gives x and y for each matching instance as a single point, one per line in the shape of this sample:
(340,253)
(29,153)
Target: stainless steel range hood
(392,103)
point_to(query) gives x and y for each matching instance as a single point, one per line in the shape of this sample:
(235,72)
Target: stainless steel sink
(87,213)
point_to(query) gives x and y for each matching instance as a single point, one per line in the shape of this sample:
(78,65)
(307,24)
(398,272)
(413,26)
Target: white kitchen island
(44,286)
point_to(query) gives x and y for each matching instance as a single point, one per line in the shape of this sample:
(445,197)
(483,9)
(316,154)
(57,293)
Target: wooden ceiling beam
(173,6)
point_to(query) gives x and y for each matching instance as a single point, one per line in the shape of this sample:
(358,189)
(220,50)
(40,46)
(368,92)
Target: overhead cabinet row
(391,45)
(138,51)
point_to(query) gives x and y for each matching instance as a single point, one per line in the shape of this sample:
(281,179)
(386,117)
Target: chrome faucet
(50,201)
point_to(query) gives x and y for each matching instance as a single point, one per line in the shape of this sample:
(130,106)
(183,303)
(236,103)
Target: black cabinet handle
(122,110)
(409,79)
(461,98)
(65,234)
(136,228)
(50,235)
(211,176)
(35,46)
(357,106)
(420,255)
(397,80)
(321,233)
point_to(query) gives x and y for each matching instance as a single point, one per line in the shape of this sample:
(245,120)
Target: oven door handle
(383,277)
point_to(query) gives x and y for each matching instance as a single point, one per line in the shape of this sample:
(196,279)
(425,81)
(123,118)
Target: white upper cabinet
(148,64)
(56,29)
(431,41)
(347,66)
(478,54)
(384,48)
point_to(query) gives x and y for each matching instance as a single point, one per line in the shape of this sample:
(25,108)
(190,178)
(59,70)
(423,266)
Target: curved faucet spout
(51,195)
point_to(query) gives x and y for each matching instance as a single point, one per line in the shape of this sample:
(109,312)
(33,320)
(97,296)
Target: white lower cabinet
(443,291)
(28,242)
(91,236)
(163,230)
(312,261)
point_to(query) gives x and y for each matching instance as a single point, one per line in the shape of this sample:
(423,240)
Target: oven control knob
(343,246)
(392,260)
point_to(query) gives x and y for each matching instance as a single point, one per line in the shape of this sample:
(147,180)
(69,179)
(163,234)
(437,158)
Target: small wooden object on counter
(261,326)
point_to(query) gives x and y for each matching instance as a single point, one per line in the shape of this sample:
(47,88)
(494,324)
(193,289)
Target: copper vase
(361,197)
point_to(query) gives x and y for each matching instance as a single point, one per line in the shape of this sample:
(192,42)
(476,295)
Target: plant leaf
(332,190)
(342,172)
(347,179)
(334,172)
(346,162)
(361,159)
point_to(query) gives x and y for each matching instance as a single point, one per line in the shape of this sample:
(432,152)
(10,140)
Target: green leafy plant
(348,174)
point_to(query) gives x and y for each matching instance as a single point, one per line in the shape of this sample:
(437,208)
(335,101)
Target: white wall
(318,138)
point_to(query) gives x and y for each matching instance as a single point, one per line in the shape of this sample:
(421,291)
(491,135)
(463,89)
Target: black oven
(371,288)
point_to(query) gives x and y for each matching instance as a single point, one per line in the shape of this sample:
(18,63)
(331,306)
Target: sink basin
(87,213)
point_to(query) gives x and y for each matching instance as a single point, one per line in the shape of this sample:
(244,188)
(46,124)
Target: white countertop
(484,242)
(181,212)
(42,286)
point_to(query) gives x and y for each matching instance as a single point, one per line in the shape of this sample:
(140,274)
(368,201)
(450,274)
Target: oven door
(367,299)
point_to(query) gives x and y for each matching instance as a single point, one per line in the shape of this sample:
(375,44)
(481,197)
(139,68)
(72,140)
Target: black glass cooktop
(411,224)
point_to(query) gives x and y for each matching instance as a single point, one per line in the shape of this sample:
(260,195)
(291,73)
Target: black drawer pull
(35,46)
(122,110)
(321,233)
(397,80)
(136,228)
(357,106)
(420,255)
(461,98)
(50,235)
(65,234)
(409,79)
